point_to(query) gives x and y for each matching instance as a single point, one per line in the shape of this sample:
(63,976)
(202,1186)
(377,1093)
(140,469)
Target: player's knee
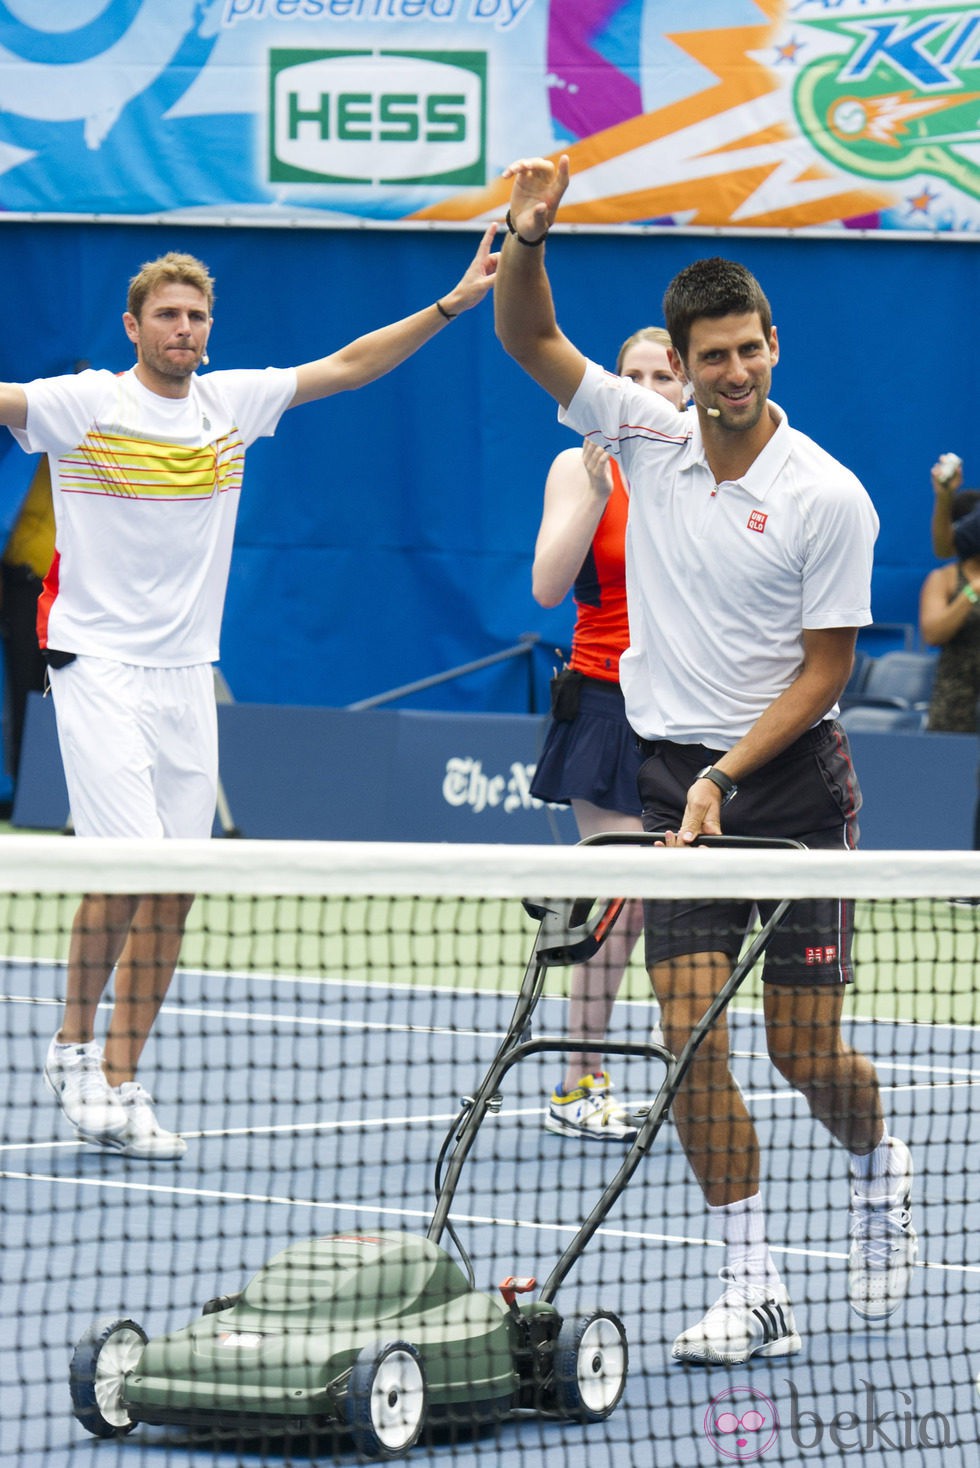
(805,1068)
(677,1030)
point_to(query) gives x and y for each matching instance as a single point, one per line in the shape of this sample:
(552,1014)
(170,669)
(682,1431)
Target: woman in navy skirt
(590,759)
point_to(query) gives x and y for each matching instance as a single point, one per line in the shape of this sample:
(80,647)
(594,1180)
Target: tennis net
(362,1049)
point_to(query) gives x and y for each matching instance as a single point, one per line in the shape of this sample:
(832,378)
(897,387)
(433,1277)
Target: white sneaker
(883,1242)
(748,1320)
(74,1073)
(144,1136)
(589,1111)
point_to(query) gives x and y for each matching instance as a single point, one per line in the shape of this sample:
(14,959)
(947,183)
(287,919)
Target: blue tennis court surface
(312,1108)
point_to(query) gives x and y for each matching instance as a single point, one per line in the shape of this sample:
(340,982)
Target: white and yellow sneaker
(588,1111)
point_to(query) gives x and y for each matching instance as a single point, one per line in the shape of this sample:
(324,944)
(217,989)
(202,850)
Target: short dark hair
(963,503)
(713,287)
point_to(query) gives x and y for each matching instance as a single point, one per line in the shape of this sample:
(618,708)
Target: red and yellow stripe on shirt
(136,468)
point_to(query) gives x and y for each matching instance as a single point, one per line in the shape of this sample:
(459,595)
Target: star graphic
(920,203)
(789,50)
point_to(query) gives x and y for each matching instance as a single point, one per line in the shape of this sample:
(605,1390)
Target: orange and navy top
(601,631)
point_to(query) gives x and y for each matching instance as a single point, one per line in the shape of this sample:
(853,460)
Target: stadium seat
(855,683)
(880,637)
(899,680)
(867,718)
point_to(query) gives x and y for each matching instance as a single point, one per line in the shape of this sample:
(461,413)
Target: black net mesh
(365,1056)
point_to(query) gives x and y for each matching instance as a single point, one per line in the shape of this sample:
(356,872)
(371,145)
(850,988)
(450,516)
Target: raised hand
(477,280)
(595,461)
(536,193)
(947,474)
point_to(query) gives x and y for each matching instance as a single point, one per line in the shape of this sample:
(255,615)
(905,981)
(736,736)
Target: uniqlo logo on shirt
(822,955)
(757,521)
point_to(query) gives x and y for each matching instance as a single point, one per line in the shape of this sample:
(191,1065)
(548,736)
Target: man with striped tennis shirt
(146,470)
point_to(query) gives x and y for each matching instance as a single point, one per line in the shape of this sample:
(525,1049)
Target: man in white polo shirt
(146,474)
(748,573)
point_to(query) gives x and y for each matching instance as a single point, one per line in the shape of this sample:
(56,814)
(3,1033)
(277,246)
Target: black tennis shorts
(809,793)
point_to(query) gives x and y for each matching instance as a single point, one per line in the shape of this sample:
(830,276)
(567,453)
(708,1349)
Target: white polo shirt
(145,492)
(722,580)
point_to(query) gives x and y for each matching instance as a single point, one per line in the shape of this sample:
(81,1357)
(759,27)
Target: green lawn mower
(379,1333)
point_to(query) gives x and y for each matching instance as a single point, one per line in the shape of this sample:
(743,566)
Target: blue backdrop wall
(387,535)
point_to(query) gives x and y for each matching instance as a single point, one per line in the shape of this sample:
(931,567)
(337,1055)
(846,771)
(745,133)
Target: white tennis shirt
(722,579)
(146,492)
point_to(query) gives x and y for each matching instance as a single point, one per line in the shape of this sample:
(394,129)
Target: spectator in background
(590,757)
(947,481)
(949,612)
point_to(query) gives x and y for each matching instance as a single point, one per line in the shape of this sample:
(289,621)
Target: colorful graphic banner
(732,114)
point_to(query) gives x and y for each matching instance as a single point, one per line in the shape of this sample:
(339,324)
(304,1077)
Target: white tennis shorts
(139,747)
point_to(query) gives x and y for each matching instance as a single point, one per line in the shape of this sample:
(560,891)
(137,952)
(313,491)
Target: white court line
(409,987)
(251,1016)
(642,1236)
(297,1128)
(293,1128)
(972,1074)
(393,1027)
(315,981)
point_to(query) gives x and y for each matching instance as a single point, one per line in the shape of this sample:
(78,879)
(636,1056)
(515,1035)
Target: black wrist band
(531,244)
(448,315)
(724,782)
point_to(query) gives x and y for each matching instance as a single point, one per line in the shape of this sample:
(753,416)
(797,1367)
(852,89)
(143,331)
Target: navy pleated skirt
(592,757)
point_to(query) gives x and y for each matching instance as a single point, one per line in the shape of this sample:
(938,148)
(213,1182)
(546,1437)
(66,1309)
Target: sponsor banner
(732,114)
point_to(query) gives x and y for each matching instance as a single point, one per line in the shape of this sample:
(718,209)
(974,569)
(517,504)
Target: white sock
(869,1166)
(743,1230)
(874,1175)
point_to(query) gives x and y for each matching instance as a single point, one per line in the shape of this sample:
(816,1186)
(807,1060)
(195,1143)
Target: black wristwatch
(724,782)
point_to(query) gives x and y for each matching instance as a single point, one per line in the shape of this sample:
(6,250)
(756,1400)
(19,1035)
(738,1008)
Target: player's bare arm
(523,308)
(13,405)
(370,357)
(828,656)
(576,494)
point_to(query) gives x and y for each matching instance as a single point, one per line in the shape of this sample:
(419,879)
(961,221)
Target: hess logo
(377,117)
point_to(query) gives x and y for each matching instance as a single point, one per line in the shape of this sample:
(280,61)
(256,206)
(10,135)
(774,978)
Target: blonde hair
(172,268)
(645,334)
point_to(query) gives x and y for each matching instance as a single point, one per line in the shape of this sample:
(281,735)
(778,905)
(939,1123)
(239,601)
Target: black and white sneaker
(749,1319)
